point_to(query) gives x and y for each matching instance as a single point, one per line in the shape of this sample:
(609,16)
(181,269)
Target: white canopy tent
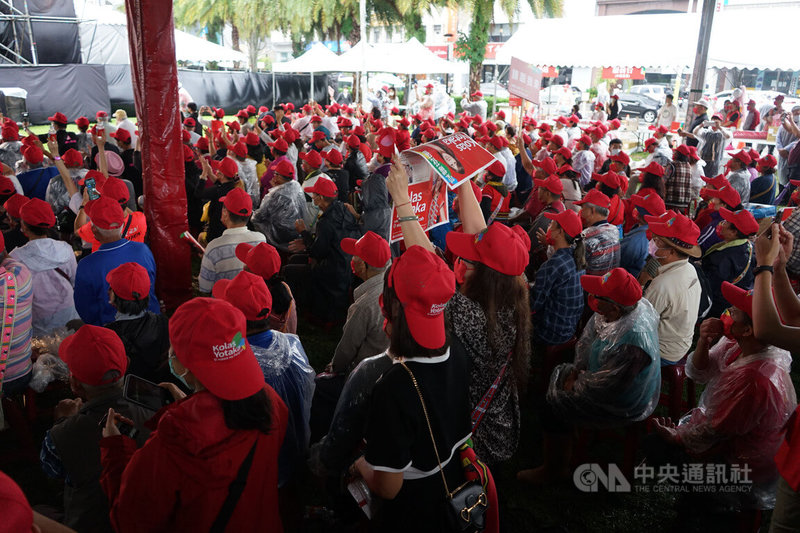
(104,41)
(317,59)
(411,57)
(658,41)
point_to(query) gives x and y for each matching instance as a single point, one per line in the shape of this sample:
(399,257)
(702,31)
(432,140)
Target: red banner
(514,101)
(549,72)
(623,73)
(757,135)
(439,50)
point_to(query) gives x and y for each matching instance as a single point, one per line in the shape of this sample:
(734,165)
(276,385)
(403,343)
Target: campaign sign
(455,158)
(429,202)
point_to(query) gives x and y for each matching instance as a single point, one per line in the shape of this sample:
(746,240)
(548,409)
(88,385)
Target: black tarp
(229,90)
(74,90)
(56,42)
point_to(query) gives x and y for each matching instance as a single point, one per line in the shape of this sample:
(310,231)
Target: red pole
(154,74)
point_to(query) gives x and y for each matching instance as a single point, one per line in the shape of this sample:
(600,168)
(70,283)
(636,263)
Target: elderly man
(748,399)
(615,379)
(712,137)
(675,292)
(363,334)
(600,238)
(91,286)
(739,176)
(476,105)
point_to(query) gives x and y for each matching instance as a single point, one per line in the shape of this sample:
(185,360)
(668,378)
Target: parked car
(555,94)
(656,92)
(761,98)
(638,105)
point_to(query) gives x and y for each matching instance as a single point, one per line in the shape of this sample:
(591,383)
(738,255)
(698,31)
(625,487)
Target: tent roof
(104,40)
(652,41)
(317,59)
(400,58)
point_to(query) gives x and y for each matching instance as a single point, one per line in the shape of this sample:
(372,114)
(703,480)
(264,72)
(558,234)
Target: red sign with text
(623,73)
(514,101)
(428,204)
(549,72)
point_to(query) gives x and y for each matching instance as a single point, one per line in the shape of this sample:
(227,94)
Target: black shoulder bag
(467,504)
(234,493)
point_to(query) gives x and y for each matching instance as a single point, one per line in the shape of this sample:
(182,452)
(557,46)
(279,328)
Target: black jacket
(146,341)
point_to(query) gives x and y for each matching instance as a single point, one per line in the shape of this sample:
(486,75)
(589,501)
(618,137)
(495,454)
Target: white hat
(703,102)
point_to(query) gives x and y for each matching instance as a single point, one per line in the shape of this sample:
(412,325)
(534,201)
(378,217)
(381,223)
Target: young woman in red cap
(212,463)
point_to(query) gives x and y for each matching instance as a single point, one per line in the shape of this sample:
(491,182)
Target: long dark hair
(281,298)
(253,412)
(401,342)
(654,182)
(493,291)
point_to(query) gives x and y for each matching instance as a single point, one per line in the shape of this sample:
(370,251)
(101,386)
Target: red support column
(154,74)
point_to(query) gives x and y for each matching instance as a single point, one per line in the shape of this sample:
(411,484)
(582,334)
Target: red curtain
(154,74)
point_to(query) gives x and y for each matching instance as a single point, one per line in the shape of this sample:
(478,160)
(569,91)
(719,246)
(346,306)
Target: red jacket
(179,479)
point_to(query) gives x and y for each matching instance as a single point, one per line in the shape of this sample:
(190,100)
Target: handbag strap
(747,265)
(9,313)
(430,429)
(486,400)
(234,493)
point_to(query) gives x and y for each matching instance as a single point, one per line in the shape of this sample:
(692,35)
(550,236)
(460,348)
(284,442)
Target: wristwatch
(763,268)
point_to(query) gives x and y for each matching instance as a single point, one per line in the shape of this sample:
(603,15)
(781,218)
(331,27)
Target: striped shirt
(19,358)
(219,261)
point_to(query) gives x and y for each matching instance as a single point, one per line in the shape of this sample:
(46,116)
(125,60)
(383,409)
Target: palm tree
(209,13)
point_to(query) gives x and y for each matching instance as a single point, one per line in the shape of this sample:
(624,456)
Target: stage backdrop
(56,42)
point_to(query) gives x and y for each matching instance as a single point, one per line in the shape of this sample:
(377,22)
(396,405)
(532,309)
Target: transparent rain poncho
(742,412)
(618,372)
(279,209)
(286,370)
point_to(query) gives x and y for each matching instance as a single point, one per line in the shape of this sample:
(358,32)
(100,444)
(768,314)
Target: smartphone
(91,187)
(123,427)
(25,116)
(145,393)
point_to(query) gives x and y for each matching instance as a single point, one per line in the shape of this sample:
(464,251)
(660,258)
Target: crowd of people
(567,281)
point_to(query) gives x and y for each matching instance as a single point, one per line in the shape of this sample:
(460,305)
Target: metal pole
(701,59)
(494,100)
(34,56)
(311,98)
(273,89)
(362,27)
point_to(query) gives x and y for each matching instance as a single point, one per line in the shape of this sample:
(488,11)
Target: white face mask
(615,151)
(652,248)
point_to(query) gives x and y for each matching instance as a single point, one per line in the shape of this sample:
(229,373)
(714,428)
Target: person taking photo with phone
(71,450)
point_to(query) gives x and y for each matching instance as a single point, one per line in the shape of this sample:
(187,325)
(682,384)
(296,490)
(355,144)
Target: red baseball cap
(333,157)
(82,122)
(228,167)
(742,219)
(285,168)
(122,135)
(17,512)
(116,189)
(248,293)
(563,151)
(372,248)
(280,145)
(209,337)
(501,114)
(562,120)
(240,149)
(6,186)
(423,284)
(585,139)
(188,153)
(547,164)
(661,129)
(621,157)
(185,136)
(651,203)
(59,117)
(238,202)
(617,285)
(739,298)
(616,123)
(564,168)
(318,136)
(99,179)
(32,154)
(768,161)
(569,221)
(684,149)
(386,138)
(189,122)
(650,142)
(105,213)
(202,144)
(491,126)
(729,196)
(552,183)
(595,197)
(262,259)
(677,230)
(14,204)
(92,352)
(234,125)
(72,158)
(251,139)
(38,213)
(353,142)
(268,119)
(324,186)
(312,158)
(499,247)
(610,179)
(654,168)
(742,156)
(129,281)
(497,169)
(717,182)
(243,113)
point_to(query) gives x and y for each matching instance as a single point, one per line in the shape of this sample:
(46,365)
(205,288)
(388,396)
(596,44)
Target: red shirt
(137,229)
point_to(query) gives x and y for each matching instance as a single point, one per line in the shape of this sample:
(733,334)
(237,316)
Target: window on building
(437,29)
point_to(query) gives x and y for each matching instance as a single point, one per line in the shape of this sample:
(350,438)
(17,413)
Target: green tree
(472,47)
(212,13)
